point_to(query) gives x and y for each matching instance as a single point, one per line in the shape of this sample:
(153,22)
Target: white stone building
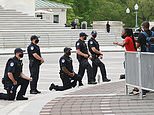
(51,11)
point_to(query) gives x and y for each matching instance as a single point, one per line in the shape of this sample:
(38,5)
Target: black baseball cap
(93,32)
(83,34)
(34,37)
(18,50)
(67,49)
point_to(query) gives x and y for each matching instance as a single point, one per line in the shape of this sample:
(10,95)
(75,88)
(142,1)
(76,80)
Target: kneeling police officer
(67,74)
(13,77)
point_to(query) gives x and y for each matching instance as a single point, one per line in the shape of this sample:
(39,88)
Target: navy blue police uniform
(14,66)
(68,82)
(34,65)
(83,62)
(96,62)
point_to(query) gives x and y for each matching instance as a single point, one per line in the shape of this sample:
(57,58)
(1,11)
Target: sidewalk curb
(10,51)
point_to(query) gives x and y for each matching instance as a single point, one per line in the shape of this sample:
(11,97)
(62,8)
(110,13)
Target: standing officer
(13,77)
(67,73)
(93,46)
(82,56)
(35,60)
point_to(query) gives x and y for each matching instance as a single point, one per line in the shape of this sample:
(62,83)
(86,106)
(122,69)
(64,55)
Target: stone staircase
(16,29)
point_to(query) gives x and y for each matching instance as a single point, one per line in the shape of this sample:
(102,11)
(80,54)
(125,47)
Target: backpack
(149,41)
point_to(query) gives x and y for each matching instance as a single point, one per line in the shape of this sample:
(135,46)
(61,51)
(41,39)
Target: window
(40,16)
(55,18)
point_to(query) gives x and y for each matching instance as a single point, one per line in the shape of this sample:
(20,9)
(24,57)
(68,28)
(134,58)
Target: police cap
(82,34)
(67,49)
(18,50)
(93,32)
(34,37)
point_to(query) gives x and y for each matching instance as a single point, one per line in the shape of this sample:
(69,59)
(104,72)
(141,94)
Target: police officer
(13,77)
(67,74)
(35,60)
(93,46)
(82,56)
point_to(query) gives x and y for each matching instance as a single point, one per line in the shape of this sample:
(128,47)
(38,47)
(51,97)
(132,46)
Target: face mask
(94,36)
(36,41)
(21,55)
(68,53)
(85,38)
(123,36)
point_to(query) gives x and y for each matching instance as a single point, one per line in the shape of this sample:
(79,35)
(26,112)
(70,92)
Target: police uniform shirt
(33,48)
(13,66)
(66,61)
(142,40)
(81,45)
(93,43)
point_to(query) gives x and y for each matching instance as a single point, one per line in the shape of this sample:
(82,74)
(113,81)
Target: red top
(129,46)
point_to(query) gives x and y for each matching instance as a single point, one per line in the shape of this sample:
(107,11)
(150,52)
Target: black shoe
(52,86)
(106,80)
(80,84)
(133,93)
(38,91)
(122,76)
(33,92)
(92,82)
(144,94)
(73,84)
(21,98)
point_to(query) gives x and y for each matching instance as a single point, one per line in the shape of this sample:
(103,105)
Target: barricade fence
(139,70)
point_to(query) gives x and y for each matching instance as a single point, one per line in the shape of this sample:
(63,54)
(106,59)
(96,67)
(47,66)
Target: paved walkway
(103,99)
(100,99)
(49,73)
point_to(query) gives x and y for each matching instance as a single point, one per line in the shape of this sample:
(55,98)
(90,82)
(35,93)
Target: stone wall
(116,27)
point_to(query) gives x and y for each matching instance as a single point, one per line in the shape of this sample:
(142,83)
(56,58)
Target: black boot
(80,83)
(52,86)
(21,98)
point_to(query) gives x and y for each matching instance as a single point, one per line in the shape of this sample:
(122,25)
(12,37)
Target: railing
(139,71)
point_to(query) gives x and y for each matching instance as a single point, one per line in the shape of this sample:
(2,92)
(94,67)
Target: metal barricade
(139,70)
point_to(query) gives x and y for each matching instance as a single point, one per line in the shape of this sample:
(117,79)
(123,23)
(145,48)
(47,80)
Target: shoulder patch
(63,60)
(11,64)
(91,42)
(78,44)
(32,47)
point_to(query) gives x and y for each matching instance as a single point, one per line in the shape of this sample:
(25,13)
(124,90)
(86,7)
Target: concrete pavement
(100,99)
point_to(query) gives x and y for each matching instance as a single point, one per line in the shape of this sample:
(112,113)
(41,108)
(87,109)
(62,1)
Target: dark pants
(83,65)
(68,82)
(97,63)
(34,73)
(108,30)
(11,89)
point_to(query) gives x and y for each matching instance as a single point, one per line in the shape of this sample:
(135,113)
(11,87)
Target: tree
(96,10)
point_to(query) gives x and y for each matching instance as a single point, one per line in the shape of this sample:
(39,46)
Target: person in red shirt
(130,45)
(129,41)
